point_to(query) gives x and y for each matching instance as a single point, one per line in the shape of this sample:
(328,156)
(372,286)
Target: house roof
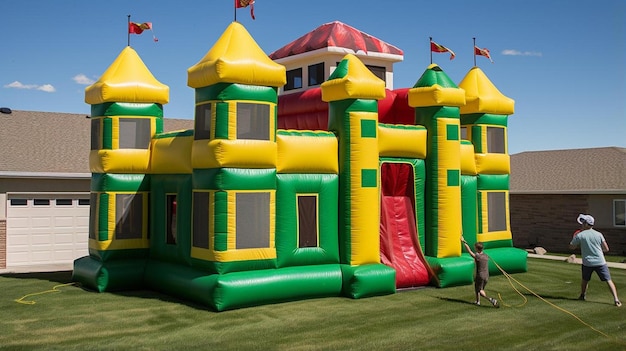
(578,171)
(35,142)
(335,34)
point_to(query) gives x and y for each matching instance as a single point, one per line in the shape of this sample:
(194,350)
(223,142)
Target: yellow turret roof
(236,58)
(481,96)
(127,80)
(352,80)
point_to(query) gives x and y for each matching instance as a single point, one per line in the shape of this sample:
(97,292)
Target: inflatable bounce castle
(341,188)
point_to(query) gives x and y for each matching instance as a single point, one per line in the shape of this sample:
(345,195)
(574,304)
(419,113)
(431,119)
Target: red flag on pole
(434,47)
(482,52)
(138,28)
(245,3)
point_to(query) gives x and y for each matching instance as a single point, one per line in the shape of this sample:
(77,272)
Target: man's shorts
(602,271)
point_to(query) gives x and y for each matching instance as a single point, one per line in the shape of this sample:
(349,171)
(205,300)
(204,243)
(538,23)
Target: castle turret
(234,154)
(352,92)
(126,112)
(484,123)
(437,100)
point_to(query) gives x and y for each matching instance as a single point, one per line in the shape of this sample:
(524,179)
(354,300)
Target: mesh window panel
(497,211)
(200,220)
(134,133)
(463,133)
(171,219)
(95,134)
(307,221)
(93,211)
(203,122)
(253,121)
(128,216)
(495,140)
(253,220)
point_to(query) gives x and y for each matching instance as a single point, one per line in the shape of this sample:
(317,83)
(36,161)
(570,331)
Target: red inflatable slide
(399,246)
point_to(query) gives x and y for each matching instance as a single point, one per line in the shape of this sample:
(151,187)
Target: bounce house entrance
(399,244)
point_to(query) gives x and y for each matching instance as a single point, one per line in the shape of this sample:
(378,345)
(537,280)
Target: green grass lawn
(421,319)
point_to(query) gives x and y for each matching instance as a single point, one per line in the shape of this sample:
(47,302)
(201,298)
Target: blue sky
(563,62)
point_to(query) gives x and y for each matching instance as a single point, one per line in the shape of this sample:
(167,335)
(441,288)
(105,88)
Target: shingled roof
(49,142)
(336,34)
(576,171)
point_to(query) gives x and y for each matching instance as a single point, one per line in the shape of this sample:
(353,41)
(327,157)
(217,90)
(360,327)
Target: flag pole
(430,49)
(128,32)
(474,51)
(235,6)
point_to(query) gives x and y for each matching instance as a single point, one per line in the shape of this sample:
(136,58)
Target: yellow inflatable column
(437,100)
(352,91)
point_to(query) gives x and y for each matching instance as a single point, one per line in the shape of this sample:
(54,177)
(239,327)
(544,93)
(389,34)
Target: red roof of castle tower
(335,34)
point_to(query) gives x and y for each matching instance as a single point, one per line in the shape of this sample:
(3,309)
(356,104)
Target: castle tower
(436,100)
(234,154)
(352,92)
(126,113)
(484,122)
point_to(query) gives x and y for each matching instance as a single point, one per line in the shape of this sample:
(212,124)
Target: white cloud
(512,52)
(19,85)
(83,79)
(48,88)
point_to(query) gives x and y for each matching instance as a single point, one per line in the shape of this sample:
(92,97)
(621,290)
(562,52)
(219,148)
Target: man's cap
(585,218)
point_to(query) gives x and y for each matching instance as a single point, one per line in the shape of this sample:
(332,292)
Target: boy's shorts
(602,271)
(479,284)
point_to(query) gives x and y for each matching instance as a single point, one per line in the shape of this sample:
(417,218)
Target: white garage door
(46,228)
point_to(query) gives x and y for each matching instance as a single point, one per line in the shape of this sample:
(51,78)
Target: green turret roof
(435,88)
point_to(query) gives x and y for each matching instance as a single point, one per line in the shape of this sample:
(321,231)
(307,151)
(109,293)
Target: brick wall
(545,220)
(3,244)
(616,238)
(550,220)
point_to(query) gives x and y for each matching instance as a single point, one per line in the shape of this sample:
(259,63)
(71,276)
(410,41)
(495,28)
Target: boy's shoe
(581,297)
(494,302)
(477,303)
(618,303)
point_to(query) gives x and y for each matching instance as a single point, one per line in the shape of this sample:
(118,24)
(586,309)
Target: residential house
(550,188)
